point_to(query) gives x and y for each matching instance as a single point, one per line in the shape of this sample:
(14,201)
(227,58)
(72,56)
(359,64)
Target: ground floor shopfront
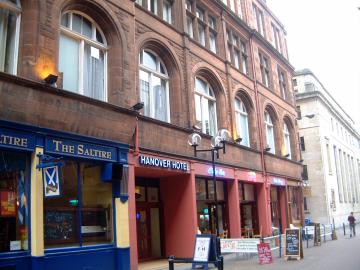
(174,200)
(62,205)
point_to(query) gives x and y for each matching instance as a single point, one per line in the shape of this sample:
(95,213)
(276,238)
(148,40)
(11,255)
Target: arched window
(205,106)
(82,56)
(242,125)
(154,86)
(10,11)
(269,129)
(287,144)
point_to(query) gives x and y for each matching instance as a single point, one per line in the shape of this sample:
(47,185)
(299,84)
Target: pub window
(83,56)
(14,202)
(83,214)
(294,201)
(10,11)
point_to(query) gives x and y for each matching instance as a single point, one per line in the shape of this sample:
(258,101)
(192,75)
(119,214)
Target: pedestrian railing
(276,242)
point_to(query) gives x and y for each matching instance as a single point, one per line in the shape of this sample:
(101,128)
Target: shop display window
(14,204)
(246,192)
(83,213)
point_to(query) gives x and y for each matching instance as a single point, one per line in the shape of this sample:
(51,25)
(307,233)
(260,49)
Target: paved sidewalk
(341,254)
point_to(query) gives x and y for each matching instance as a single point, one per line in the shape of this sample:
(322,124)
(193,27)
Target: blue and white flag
(51,181)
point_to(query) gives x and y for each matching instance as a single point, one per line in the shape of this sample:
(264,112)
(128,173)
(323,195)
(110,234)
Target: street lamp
(217,143)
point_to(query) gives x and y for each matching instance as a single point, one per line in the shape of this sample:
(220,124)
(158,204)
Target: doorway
(148,219)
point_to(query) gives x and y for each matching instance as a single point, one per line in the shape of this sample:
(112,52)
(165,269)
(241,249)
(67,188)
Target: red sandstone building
(198,66)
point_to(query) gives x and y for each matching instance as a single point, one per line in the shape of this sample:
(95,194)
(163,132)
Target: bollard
(280,245)
(324,233)
(171,262)
(344,228)
(307,238)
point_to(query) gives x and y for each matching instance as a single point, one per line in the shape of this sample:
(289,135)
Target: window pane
(149,60)
(201,31)
(65,20)
(96,210)
(76,23)
(14,203)
(69,62)
(61,219)
(159,97)
(145,91)
(167,11)
(205,115)
(93,71)
(212,118)
(198,110)
(237,59)
(200,189)
(213,42)
(86,27)
(190,27)
(7,41)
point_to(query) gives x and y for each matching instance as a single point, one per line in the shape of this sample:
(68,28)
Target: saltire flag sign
(51,181)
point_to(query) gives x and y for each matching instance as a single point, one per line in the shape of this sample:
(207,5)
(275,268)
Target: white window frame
(242,113)
(67,31)
(269,132)
(156,73)
(208,97)
(287,143)
(15,8)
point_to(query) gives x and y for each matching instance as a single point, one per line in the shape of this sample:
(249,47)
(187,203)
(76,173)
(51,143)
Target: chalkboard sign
(317,237)
(60,226)
(292,242)
(264,253)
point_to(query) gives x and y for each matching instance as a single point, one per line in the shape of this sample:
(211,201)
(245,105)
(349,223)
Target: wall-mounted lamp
(196,127)
(238,140)
(307,116)
(51,79)
(138,106)
(267,149)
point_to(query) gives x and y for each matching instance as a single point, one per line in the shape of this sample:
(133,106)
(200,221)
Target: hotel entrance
(148,219)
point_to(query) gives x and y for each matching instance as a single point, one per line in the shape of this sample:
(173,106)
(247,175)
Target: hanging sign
(51,182)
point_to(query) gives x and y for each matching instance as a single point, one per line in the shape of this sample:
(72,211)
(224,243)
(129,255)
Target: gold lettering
(109,155)
(24,142)
(80,149)
(57,144)
(17,141)
(5,139)
(71,149)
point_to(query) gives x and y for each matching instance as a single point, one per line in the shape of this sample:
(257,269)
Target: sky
(324,36)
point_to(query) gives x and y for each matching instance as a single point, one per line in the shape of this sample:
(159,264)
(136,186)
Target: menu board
(202,248)
(292,242)
(60,226)
(264,253)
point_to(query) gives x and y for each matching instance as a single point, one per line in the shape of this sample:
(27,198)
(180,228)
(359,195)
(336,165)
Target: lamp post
(217,144)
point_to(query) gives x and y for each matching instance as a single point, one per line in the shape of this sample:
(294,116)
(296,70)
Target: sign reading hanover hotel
(163,163)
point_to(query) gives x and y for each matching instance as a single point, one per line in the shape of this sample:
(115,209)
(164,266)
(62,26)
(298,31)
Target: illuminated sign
(163,163)
(79,149)
(218,172)
(278,181)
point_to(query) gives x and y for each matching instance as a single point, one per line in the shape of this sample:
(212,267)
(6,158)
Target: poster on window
(7,203)
(51,182)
